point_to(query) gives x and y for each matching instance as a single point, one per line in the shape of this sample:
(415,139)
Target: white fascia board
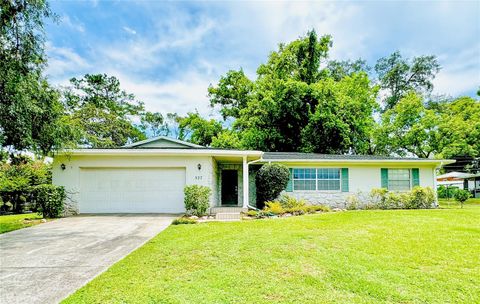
(171,152)
(149,140)
(363,161)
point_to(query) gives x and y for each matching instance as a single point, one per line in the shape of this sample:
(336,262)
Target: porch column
(245,182)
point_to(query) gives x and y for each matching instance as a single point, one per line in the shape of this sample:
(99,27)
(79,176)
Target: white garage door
(131,190)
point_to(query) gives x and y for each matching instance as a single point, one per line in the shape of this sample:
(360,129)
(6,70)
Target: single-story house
(149,176)
(461,180)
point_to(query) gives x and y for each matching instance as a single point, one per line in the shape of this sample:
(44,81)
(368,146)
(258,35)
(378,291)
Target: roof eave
(172,152)
(149,140)
(364,161)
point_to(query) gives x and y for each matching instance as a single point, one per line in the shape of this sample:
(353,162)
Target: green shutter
(384,173)
(344,179)
(290,183)
(415,177)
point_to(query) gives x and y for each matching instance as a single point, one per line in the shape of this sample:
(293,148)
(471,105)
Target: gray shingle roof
(299,156)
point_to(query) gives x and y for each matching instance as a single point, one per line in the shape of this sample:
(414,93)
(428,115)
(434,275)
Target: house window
(316,179)
(399,179)
(304,179)
(328,179)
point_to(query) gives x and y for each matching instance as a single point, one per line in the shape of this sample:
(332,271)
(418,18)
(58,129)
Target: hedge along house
(149,176)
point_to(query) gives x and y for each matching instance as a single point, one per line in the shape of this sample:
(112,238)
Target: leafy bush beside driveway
(197,199)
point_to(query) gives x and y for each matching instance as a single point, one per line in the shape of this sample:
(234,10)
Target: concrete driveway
(46,263)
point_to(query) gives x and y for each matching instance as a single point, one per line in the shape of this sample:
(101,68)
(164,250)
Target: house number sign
(198,177)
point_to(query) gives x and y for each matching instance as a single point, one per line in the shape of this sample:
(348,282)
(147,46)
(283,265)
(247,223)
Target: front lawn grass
(18,221)
(404,256)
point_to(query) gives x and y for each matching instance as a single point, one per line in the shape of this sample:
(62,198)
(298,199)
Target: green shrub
(49,200)
(252,213)
(299,210)
(420,198)
(462,195)
(417,198)
(317,208)
(274,207)
(353,202)
(288,201)
(395,200)
(270,181)
(446,191)
(184,221)
(17,179)
(197,199)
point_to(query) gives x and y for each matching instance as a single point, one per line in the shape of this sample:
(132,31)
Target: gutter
(362,161)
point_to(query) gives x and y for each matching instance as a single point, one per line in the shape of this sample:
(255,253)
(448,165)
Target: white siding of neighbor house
(70,177)
(362,179)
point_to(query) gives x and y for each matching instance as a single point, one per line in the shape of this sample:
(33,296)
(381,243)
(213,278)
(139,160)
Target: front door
(229,187)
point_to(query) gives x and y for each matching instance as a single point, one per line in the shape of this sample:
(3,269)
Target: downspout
(248,164)
(435,185)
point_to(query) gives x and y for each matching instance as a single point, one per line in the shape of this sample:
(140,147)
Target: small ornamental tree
(461,196)
(270,181)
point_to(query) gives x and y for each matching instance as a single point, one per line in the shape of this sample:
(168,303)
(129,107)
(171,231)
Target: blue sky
(167,53)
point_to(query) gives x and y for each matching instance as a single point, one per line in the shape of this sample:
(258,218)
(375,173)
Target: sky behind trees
(167,54)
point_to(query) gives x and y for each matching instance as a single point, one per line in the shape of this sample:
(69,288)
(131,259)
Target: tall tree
(31,116)
(446,129)
(103,111)
(292,98)
(200,131)
(459,128)
(341,69)
(398,76)
(232,93)
(153,123)
(408,129)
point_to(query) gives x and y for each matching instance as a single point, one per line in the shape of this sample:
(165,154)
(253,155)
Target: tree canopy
(103,112)
(299,100)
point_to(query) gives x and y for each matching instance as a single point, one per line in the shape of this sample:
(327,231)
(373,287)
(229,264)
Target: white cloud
(460,74)
(145,51)
(129,30)
(77,26)
(63,61)
(181,95)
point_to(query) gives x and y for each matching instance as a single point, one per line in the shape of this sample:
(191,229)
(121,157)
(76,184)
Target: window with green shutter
(415,177)
(399,179)
(290,182)
(345,180)
(384,175)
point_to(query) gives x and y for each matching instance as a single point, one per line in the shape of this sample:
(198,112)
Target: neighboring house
(461,180)
(149,176)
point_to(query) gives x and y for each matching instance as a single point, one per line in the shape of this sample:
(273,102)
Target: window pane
(299,185)
(399,179)
(328,184)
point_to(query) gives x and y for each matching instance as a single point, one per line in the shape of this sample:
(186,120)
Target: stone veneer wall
(331,199)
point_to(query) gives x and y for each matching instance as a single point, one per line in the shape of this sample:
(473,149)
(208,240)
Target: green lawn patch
(401,256)
(18,221)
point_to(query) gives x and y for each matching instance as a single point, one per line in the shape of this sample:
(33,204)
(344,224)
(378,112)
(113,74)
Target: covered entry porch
(235,180)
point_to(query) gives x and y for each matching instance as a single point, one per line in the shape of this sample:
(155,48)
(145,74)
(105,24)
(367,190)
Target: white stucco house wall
(149,176)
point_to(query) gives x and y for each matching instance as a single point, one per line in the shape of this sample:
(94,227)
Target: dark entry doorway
(229,187)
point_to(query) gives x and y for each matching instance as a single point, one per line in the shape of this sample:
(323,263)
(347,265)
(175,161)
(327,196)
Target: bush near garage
(49,200)
(197,199)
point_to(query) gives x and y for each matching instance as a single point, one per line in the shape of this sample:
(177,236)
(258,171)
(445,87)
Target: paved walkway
(47,262)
